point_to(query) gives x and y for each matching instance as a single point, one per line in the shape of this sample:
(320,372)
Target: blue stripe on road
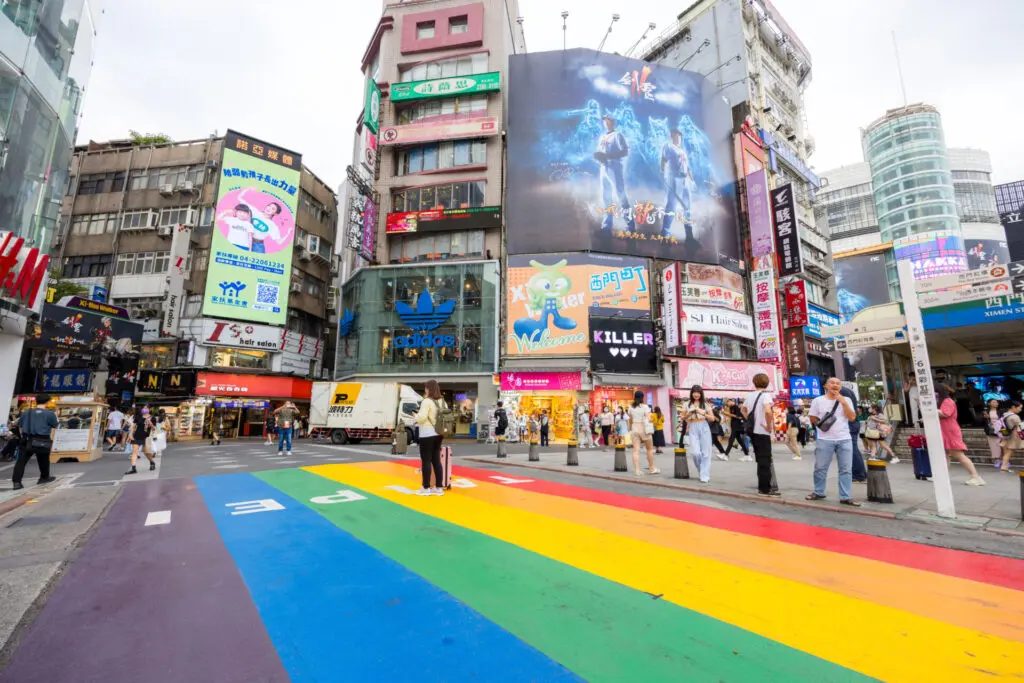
(336,609)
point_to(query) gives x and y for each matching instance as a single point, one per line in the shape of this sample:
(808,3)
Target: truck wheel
(339,437)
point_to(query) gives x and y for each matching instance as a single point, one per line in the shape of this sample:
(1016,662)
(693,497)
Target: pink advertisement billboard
(439,129)
(540,381)
(722,378)
(762,240)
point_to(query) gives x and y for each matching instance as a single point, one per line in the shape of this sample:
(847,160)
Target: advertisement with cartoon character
(251,253)
(551,296)
(621,156)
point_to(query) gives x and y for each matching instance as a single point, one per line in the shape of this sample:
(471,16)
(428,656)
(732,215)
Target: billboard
(371,105)
(622,345)
(724,378)
(74,330)
(551,296)
(939,252)
(429,131)
(176,275)
(443,220)
(707,295)
(700,274)
(251,252)
(787,239)
(616,155)
(818,317)
(766,314)
(861,281)
(670,305)
(797,314)
(452,86)
(759,214)
(982,253)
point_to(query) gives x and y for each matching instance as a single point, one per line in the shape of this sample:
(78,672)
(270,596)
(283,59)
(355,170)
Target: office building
(1010,205)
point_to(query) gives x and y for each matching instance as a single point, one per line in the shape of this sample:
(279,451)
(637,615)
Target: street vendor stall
(79,435)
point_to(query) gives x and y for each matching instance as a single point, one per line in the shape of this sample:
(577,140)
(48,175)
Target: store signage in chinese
(443,220)
(796,350)
(759,213)
(818,318)
(721,375)
(371,105)
(670,305)
(801,386)
(265,386)
(766,319)
(70,380)
(248,336)
(22,269)
(540,381)
(706,295)
(701,274)
(241,403)
(787,238)
(445,87)
(368,241)
(176,276)
(796,304)
(463,127)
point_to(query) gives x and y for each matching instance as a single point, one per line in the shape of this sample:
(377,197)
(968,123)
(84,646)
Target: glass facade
(389,325)
(911,180)
(1010,196)
(45,57)
(975,198)
(846,210)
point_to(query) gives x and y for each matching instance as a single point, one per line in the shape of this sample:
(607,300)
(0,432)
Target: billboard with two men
(616,155)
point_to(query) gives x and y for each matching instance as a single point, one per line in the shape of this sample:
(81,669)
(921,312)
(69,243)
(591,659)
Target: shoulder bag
(751,420)
(825,423)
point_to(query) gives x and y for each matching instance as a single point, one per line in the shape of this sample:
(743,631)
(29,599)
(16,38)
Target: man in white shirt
(115,422)
(831,415)
(759,402)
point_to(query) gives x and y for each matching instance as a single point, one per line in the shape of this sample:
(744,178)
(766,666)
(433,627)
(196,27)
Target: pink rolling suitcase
(446,469)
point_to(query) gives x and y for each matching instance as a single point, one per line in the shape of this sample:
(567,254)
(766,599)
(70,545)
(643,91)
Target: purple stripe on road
(149,603)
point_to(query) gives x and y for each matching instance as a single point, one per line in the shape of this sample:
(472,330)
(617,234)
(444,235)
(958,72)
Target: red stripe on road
(991,569)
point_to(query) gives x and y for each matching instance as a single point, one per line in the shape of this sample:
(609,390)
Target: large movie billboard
(616,155)
(251,253)
(861,281)
(551,296)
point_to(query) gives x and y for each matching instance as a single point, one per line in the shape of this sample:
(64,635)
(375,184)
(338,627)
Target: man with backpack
(757,415)
(501,422)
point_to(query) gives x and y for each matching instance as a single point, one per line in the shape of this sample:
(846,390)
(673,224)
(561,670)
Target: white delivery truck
(349,412)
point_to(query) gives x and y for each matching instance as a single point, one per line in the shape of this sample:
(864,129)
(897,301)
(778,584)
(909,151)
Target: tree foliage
(138,138)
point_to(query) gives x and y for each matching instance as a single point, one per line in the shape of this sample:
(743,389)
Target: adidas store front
(411,323)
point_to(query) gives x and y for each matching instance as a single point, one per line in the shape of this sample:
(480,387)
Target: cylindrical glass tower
(913,189)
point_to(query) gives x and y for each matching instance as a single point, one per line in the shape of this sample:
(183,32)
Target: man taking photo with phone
(831,415)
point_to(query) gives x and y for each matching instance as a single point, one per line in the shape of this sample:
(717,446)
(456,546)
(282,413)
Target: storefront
(556,393)
(238,405)
(719,379)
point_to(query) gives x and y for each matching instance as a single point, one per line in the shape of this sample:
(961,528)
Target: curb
(716,492)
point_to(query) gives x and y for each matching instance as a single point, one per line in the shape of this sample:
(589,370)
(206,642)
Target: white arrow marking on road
(158,517)
(509,480)
(227,467)
(342,496)
(401,489)
(461,483)
(247,507)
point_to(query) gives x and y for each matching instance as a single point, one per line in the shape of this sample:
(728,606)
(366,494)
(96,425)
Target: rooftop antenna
(899,68)
(650,27)
(615,17)
(565,15)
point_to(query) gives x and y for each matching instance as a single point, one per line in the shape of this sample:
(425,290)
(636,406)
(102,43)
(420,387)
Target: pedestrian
(584,432)
(731,412)
(805,427)
(793,432)
(876,429)
(757,411)
(831,415)
(698,414)
(1012,429)
(658,420)
(606,421)
(158,436)
(858,468)
(993,431)
(952,437)
(36,426)
(142,427)
(13,444)
(500,421)
(115,421)
(914,401)
(621,427)
(270,425)
(717,432)
(641,433)
(125,442)
(430,439)
(545,428)
(286,417)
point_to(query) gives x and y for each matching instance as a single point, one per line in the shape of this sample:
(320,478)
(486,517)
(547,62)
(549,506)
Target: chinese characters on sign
(704,295)
(796,350)
(796,304)
(65,380)
(766,321)
(670,305)
(759,214)
(787,239)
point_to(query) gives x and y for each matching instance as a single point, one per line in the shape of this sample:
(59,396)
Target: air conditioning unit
(187,186)
(167,189)
(305,256)
(300,247)
(164,231)
(296,288)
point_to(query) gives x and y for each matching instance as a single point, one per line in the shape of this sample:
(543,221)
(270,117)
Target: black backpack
(502,418)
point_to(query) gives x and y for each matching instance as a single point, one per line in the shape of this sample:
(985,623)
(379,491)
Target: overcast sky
(288,72)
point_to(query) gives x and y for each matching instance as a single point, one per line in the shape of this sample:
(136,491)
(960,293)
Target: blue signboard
(804,386)
(992,310)
(74,380)
(99,293)
(818,317)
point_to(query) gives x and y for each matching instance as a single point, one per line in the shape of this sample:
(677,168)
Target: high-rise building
(761,68)
(1010,205)
(223,248)
(47,51)
(424,214)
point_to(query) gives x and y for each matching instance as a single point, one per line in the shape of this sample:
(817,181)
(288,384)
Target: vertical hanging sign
(787,239)
(670,305)
(176,276)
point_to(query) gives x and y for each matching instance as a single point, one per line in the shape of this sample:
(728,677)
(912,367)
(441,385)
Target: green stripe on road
(599,629)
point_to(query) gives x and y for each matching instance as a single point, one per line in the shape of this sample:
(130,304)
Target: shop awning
(614,380)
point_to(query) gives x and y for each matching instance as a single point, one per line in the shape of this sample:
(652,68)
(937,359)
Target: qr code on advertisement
(267,293)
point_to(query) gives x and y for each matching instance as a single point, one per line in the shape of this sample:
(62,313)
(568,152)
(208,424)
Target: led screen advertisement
(616,155)
(251,251)
(551,296)
(982,253)
(861,281)
(939,252)
(622,345)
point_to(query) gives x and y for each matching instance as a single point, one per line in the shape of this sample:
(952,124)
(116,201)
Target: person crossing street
(36,426)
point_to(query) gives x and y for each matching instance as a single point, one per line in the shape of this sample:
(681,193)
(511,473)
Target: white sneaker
(798,457)
(720,456)
(975,481)
(655,471)
(289,454)
(639,473)
(894,461)
(424,492)
(746,458)
(437,492)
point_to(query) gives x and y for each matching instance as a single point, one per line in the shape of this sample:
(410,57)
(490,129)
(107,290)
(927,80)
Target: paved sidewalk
(995,507)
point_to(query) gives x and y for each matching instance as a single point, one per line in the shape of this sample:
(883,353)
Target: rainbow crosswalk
(355,578)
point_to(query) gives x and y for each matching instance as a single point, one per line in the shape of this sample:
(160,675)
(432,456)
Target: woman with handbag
(142,427)
(430,438)
(876,429)
(698,414)
(658,420)
(993,428)
(642,432)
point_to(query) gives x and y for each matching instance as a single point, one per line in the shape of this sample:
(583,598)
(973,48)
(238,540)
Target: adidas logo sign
(426,316)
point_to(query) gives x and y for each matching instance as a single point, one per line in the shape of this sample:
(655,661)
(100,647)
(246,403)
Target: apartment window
(436,247)
(313,244)
(143,263)
(141,307)
(86,266)
(424,30)
(458,24)
(443,68)
(90,184)
(200,260)
(443,107)
(93,224)
(177,216)
(206,216)
(138,180)
(313,287)
(447,196)
(193,304)
(442,155)
(223,357)
(138,220)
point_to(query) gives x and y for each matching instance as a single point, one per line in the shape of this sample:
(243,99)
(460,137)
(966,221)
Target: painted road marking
(342,496)
(509,480)
(402,489)
(228,467)
(158,517)
(248,507)
(461,483)
(331,625)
